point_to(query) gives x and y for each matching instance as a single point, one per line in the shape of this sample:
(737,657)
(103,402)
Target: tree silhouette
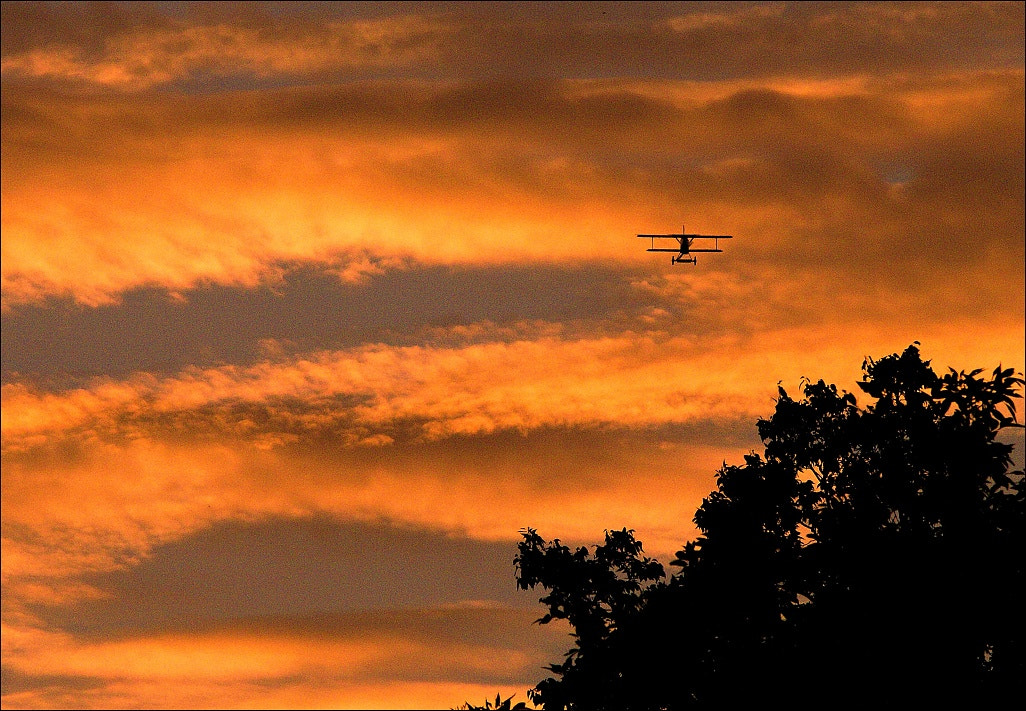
(499,705)
(869,557)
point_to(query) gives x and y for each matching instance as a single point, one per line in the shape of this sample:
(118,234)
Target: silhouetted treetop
(499,705)
(870,556)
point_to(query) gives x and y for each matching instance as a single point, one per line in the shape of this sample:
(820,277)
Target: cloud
(350,661)
(149,54)
(96,478)
(368,272)
(441,391)
(286,566)
(102,196)
(205,48)
(76,515)
(623,380)
(309,310)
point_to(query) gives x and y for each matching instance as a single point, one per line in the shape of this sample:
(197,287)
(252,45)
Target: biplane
(685,250)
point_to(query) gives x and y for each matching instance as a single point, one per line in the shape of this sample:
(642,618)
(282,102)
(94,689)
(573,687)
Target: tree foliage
(871,556)
(499,705)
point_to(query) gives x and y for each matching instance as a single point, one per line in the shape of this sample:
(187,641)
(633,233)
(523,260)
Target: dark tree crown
(870,556)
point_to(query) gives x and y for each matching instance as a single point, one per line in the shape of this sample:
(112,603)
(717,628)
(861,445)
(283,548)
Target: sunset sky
(308,309)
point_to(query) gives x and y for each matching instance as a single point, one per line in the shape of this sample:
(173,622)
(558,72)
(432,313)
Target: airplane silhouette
(685,252)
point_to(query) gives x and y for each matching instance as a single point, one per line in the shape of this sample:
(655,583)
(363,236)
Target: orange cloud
(72,518)
(629,380)
(352,662)
(216,444)
(104,195)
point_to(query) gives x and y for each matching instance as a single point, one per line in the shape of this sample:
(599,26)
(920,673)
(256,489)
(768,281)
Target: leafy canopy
(870,556)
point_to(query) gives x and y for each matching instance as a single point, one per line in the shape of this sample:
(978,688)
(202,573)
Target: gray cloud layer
(704,41)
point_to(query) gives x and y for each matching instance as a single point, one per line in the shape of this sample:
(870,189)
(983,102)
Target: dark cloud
(56,690)
(702,41)
(307,310)
(35,25)
(550,459)
(784,147)
(291,567)
(491,645)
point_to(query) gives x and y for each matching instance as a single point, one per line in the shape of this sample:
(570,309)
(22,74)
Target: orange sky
(307,309)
